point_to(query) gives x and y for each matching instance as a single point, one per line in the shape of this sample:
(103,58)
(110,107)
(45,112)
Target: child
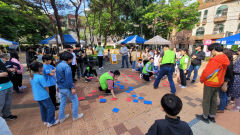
(156,60)
(49,74)
(15,59)
(171,125)
(106,81)
(184,64)
(89,73)
(134,58)
(148,70)
(39,56)
(66,87)
(139,65)
(40,94)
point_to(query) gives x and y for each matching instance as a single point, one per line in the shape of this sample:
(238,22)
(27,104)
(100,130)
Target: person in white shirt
(156,60)
(100,55)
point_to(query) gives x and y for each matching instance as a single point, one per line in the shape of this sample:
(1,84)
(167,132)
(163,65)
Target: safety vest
(149,67)
(182,62)
(98,50)
(103,80)
(168,57)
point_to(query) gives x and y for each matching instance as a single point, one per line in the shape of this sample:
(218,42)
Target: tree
(77,6)
(15,26)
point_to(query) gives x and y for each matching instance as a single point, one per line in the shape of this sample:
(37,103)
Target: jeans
(223,99)
(47,110)
(195,68)
(209,103)
(64,94)
(139,69)
(52,94)
(166,70)
(182,77)
(5,102)
(155,69)
(80,69)
(124,58)
(133,64)
(100,61)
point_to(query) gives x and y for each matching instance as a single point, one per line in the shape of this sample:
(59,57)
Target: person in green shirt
(106,81)
(148,69)
(184,65)
(167,67)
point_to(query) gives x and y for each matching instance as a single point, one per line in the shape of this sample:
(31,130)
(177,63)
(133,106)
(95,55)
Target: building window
(222,11)
(218,28)
(238,29)
(205,14)
(200,31)
(200,14)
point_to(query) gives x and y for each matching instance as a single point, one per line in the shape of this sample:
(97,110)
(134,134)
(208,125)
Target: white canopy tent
(157,40)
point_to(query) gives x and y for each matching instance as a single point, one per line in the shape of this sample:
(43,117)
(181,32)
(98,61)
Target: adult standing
(167,67)
(30,56)
(74,63)
(80,64)
(124,53)
(6,89)
(197,56)
(213,79)
(100,54)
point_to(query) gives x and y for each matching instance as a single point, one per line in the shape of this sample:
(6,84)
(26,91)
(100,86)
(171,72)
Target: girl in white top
(156,60)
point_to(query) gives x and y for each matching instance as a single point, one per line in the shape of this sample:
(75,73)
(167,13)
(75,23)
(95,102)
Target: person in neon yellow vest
(100,54)
(148,69)
(106,81)
(167,67)
(184,65)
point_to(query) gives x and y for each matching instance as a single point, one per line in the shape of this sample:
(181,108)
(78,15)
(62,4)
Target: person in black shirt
(171,125)
(80,63)
(89,73)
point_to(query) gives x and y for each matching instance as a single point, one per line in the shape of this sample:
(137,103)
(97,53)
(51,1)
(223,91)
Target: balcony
(220,19)
(225,1)
(208,36)
(204,21)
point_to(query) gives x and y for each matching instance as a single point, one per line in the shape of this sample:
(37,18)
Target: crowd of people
(51,73)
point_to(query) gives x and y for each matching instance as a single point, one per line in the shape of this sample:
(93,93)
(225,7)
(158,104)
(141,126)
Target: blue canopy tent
(7,42)
(231,40)
(12,44)
(68,39)
(135,39)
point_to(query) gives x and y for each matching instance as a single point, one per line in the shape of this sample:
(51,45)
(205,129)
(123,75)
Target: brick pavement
(132,119)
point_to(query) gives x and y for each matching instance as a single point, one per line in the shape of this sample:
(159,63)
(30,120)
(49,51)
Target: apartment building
(218,19)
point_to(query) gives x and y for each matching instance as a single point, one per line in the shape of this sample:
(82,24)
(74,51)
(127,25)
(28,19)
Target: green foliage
(234,47)
(18,26)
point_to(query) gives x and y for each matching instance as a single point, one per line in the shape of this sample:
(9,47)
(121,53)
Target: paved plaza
(132,118)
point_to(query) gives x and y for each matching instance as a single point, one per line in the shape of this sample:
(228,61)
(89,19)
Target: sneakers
(79,116)
(183,87)
(45,123)
(141,76)
(180,85)
(187,78)
(200,117)
(22,87)
(55,123)
(212,119)
(10,117)
(66,117)
(193,81)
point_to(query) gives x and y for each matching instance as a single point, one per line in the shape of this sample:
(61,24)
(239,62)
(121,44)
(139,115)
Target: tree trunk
(99,24)
(110,23)
(173,37)
(53,4)
(77,24)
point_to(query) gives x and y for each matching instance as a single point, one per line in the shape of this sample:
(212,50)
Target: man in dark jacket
(197,56)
